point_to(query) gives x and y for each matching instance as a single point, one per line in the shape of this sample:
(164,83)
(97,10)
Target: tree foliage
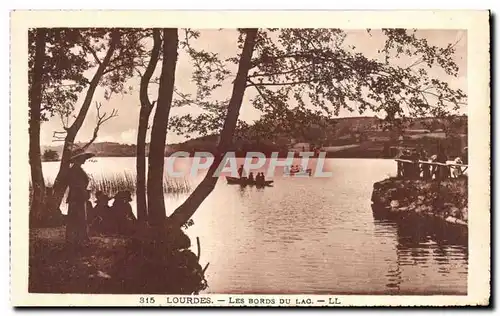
(72,54)
(210,72)
(303,74)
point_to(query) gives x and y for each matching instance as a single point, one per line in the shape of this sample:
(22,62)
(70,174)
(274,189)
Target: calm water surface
(311,235)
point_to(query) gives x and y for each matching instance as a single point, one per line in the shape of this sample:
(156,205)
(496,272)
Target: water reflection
(425,247)
(314,235)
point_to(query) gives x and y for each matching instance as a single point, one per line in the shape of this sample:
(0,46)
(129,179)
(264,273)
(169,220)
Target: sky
(123,128)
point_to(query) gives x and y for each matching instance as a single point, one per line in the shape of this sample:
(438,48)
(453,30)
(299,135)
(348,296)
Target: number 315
(147,300)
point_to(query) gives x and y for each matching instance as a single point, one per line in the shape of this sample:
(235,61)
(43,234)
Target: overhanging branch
(93,52)
(100,120)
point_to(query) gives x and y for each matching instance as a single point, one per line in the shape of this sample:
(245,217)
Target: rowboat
(308,172)
(245,181)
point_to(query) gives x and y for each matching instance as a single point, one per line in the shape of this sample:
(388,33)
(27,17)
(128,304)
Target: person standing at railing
(442,171)
(400,164)
(425,169)
(465,156)
(414,167)
(406,167)
(456,171)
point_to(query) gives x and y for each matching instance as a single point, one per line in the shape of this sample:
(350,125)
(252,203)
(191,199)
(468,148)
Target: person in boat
(122,212)
(240,171)
(259,179)
(250,177)
(78,181)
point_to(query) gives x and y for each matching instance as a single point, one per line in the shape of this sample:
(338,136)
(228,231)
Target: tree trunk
(60,183)
(142,208)
(182,214)
(35,159)
(146,107)
(156,202)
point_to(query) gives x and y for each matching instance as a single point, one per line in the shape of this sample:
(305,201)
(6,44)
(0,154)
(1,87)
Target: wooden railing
(429,170)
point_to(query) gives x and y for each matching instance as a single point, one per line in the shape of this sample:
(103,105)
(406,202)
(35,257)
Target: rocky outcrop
(446,200)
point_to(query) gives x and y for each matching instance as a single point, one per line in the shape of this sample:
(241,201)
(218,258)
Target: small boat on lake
(302,173)
(245,181)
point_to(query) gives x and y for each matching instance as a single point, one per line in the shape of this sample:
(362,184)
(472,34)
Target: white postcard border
(476,24)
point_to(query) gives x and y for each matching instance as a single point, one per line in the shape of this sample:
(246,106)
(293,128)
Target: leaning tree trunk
(60,183)
(182,214)
(146,107)
(156,202)
(35,159)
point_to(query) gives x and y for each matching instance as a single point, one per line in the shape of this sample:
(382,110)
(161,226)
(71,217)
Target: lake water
(311,235)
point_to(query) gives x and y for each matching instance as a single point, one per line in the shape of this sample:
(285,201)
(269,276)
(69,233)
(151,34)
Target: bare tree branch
(100,120)
(255,74)
(125,64)
(282,83)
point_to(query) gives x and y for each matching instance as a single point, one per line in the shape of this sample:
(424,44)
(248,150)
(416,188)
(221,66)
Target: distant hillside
(108,149)
(369,134)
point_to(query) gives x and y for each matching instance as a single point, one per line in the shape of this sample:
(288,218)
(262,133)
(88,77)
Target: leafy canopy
(72,56)
(300,75)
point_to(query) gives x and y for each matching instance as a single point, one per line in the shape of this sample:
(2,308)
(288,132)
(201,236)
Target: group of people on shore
(419,169)
(83,216)
(115,219)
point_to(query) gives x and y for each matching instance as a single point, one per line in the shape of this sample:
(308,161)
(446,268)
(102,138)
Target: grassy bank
(112,184)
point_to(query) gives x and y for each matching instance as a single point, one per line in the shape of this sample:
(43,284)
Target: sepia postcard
(267,158)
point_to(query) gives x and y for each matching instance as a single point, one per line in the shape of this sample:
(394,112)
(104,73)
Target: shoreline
(443,204)
(112,264)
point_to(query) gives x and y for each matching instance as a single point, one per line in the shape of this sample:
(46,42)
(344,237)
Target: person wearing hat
(122,210)
(99,218)
(78,181)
